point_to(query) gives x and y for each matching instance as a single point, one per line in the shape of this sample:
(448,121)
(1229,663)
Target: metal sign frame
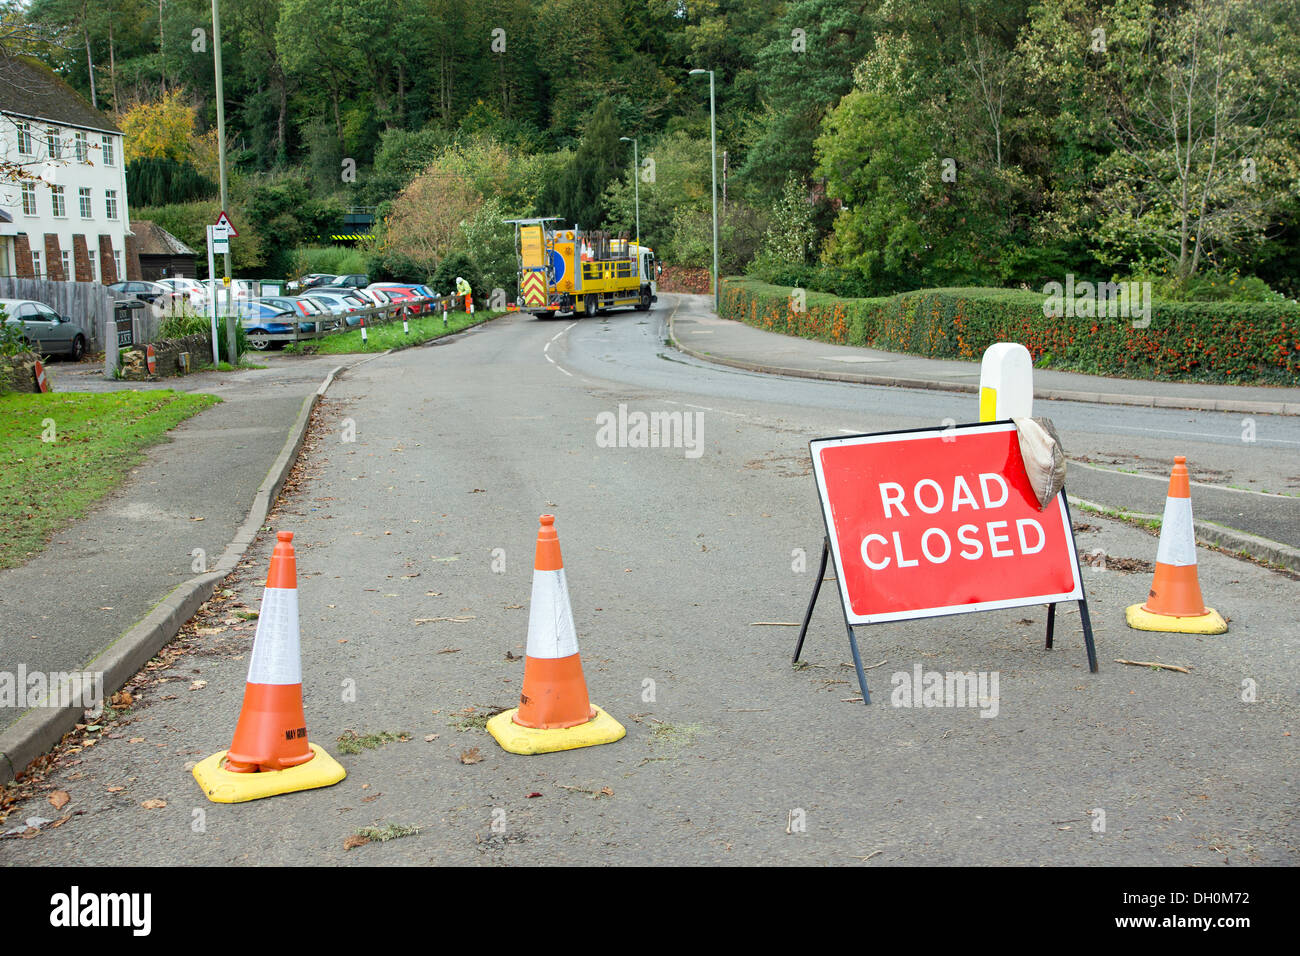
(830,551)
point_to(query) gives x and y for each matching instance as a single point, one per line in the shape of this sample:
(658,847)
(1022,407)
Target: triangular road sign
(223,222)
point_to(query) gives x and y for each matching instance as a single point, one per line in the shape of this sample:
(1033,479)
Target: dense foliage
(865,147)
(1201,341)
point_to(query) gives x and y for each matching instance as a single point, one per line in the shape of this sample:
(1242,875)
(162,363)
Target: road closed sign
(940,521)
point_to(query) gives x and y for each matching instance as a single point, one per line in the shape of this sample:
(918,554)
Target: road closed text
(940,521)
(971,541)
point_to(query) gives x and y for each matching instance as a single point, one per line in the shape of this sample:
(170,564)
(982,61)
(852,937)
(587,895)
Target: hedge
(1191,341)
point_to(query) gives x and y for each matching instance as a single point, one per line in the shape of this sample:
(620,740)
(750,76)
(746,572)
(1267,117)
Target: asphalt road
(731,755)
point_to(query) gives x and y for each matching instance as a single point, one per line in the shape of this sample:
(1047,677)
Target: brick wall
(81,259)
(53,259)
(166,357)
(23,252)
(107,264)
(132,255)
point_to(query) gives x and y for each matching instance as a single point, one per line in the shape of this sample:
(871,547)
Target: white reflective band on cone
(1177,534)
(276,658)
(550,619)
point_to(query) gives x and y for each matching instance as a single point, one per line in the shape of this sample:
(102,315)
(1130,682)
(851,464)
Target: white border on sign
(818,444)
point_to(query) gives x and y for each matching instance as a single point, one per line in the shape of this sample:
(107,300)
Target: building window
(84,201)
(29,199)
(66,255)
(117,261)
(37,269)
(107,148)
(110,203)
(56,196)
(53,144)
(25,138)
(83,147)
(94,272)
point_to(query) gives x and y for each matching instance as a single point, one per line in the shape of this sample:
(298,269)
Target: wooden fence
(89,304)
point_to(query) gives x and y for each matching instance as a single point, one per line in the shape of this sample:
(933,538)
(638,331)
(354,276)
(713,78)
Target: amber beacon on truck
(568,271)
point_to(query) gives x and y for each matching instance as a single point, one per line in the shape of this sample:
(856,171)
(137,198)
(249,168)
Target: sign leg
(857,658)
(821,573)
(1051,624)
(1087,635)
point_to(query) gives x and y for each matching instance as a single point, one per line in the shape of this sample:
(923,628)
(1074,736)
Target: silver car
(48,332)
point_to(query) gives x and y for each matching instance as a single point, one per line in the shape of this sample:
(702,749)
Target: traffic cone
(270,753)
(554,712)
(1175,603)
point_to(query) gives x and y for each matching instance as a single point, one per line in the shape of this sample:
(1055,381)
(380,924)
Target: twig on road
(1155,664)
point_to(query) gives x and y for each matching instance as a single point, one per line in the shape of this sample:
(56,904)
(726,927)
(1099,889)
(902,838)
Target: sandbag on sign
(1040,448)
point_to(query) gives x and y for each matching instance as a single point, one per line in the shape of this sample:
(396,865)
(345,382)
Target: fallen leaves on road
(430,738)
(593,794)
(471,756)
(154,804)
(448,620)
(198,685)
(450,650)
(59,799)
(354,841)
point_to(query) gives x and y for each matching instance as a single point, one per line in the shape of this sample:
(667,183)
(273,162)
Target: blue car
(264,323)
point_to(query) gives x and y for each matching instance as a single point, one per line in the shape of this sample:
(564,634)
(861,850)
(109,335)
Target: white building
(69,221)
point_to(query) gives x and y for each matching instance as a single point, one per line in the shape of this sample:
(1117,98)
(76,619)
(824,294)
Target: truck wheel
(589,306)
(644,304)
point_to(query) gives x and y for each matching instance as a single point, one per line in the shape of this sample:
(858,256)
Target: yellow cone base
(1211,622)
(225,786)
(601,729)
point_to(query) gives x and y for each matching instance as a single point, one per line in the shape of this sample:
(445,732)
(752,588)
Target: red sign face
(940,521)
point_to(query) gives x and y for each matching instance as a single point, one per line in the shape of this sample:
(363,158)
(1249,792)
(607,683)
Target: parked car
(155,293)
(310,281)
(264,323)
(355,280)
(47,331)
(240,289)
(192,289)
(342,303)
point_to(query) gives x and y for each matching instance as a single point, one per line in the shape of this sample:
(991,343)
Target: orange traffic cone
(554,712)
(1175,603)
(270,753)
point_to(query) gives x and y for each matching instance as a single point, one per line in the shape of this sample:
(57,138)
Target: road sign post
(932,522)
(212,279)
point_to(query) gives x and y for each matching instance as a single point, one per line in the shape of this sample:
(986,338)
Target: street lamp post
(636,185)
(221,166)
(713,170)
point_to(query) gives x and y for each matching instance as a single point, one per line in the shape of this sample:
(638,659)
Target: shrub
(458,264)
(179,326)
(1205,341)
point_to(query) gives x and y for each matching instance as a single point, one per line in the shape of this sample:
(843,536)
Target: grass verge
(62,452)
(381,338)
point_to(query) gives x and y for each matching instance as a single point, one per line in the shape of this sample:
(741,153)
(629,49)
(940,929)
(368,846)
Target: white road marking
(1170,431)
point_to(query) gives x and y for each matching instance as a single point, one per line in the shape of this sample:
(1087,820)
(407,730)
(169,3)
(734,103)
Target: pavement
(705,335)
(415,546)
(165,526)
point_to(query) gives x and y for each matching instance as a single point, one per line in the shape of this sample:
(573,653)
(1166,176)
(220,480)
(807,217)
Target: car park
(48,332)
(304,306)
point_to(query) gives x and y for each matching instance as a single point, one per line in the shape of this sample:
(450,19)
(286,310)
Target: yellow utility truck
(570,271)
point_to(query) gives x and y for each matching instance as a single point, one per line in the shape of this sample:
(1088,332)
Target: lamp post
(636,185)
(221,166)
(713,171)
